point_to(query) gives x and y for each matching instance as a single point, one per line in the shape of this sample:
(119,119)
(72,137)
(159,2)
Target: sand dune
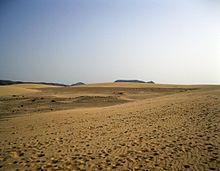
(118,126)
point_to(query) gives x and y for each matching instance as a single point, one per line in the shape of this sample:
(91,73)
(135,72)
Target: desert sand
(110,126)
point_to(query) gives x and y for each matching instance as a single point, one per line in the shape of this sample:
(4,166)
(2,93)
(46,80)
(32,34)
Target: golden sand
(117,126)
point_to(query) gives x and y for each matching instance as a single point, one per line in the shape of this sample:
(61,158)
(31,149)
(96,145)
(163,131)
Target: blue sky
(67,41)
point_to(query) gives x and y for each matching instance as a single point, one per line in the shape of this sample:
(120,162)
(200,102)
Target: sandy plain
(110,126)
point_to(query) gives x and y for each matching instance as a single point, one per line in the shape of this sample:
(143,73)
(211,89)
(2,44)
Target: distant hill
(151,82)
(77,84)
(133,81)
(9,82)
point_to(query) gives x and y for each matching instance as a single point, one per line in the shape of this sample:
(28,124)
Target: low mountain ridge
(9,82)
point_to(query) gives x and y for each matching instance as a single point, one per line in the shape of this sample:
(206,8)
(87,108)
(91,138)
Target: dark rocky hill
(77,84)
(133,81)
(9,82)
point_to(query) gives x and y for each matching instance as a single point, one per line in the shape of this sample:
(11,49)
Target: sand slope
(14,90)
(21,89)
(177,130)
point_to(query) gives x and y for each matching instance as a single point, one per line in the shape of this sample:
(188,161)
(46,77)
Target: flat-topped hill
(133,81)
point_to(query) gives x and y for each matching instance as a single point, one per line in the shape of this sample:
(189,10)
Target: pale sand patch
(14,90)
(18,89)
(33,86)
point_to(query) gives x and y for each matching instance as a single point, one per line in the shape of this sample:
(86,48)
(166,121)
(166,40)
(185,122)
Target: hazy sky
(168,41)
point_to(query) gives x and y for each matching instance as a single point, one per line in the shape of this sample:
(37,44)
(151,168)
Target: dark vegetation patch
(20,104)
(112,90)
(96,99)
(10,106)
